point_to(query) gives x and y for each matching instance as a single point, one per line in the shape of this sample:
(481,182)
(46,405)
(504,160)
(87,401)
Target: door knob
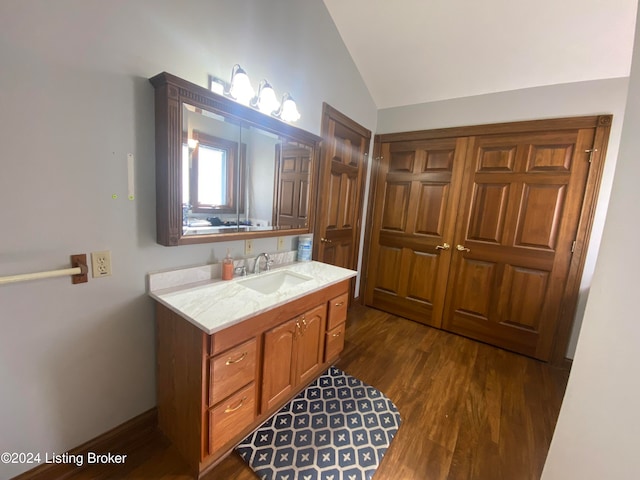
(444,246)
(462,248)
(325,240)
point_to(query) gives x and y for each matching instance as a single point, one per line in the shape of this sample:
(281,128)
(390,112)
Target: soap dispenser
(227,267)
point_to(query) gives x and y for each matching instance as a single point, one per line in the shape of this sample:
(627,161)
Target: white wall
(567,100)
(596,436)
(76,361)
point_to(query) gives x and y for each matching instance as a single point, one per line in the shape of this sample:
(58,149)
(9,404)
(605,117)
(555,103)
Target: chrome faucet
(256,266)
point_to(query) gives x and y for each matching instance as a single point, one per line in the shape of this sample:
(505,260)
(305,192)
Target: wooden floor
(469,410)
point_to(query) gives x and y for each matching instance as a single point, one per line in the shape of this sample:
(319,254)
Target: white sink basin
(274,282)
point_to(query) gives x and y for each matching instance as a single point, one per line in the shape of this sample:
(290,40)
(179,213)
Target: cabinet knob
(339,304)
(325,240)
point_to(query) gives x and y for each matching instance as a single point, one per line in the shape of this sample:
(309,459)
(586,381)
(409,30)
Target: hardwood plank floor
(469,410)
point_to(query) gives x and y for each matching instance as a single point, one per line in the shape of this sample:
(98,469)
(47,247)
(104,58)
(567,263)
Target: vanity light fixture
(241,88)
(288,110)
(266,100)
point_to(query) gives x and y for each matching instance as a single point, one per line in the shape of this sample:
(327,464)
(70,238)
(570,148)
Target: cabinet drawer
(232,416)
(334,342)
(231,370)
(337,310)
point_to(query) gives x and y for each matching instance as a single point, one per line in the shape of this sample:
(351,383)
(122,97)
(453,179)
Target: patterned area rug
(338,428)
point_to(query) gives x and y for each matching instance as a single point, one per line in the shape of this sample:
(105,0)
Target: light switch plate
(280,244)
(248,247)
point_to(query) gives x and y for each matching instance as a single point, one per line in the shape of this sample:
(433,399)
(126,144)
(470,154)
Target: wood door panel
(278,364)
(488,212)
(475,281)
(387,276)
(339,253)
(539,216)
(423,276)
(310,343)
(287,197)
(547,158)
(402,161)
(439,160)
(523,296)
(395,207)
(431,209)
(496,159)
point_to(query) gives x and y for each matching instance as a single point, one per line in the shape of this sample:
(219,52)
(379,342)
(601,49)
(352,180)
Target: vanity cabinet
(293,352)
(214,389)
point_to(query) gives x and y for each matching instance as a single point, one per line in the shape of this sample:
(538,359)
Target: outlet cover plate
(101,263)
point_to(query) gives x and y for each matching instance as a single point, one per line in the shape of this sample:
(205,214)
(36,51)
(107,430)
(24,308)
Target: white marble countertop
(213,305)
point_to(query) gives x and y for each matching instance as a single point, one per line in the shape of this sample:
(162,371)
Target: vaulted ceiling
(415,51)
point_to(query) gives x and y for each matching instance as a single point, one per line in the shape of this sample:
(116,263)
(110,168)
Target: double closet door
(475,230)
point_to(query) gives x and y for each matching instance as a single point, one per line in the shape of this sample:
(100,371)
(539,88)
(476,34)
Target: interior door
(416,200)
(345,146)
(520,210)
(292,199)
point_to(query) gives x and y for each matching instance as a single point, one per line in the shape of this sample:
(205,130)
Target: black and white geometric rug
(338,428)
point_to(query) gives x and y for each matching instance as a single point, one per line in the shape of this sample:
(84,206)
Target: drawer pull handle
(337,334)
(339,304)
(238,360)
(233,409)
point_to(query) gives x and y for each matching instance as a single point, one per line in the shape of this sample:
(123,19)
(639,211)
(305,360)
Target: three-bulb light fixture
(265,100)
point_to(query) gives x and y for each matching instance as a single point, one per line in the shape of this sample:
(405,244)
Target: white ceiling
(415,51)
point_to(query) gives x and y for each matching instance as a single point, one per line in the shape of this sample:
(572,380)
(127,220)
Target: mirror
(225,171)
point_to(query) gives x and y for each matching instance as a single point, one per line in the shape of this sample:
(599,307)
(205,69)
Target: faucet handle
(242,270)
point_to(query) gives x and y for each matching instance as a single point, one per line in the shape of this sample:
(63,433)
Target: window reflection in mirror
(212,173)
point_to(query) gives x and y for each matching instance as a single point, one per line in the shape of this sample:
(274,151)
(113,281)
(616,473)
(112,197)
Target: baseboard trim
(121,439)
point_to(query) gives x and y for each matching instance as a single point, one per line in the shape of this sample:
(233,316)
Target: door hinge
(591,151)
(573,246)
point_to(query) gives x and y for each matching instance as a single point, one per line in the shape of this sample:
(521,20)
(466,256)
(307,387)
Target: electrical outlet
(280,244)
(101,263)
(248,247)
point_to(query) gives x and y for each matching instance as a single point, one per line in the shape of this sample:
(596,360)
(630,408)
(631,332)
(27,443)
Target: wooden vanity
(215,388)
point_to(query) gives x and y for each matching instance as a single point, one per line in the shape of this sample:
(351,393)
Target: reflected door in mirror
(292,209)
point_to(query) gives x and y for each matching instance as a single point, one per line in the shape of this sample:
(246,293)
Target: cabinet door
(310,343)
(278,368)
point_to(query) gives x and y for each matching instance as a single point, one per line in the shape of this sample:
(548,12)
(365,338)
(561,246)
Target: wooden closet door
(520,210)
(416,198)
